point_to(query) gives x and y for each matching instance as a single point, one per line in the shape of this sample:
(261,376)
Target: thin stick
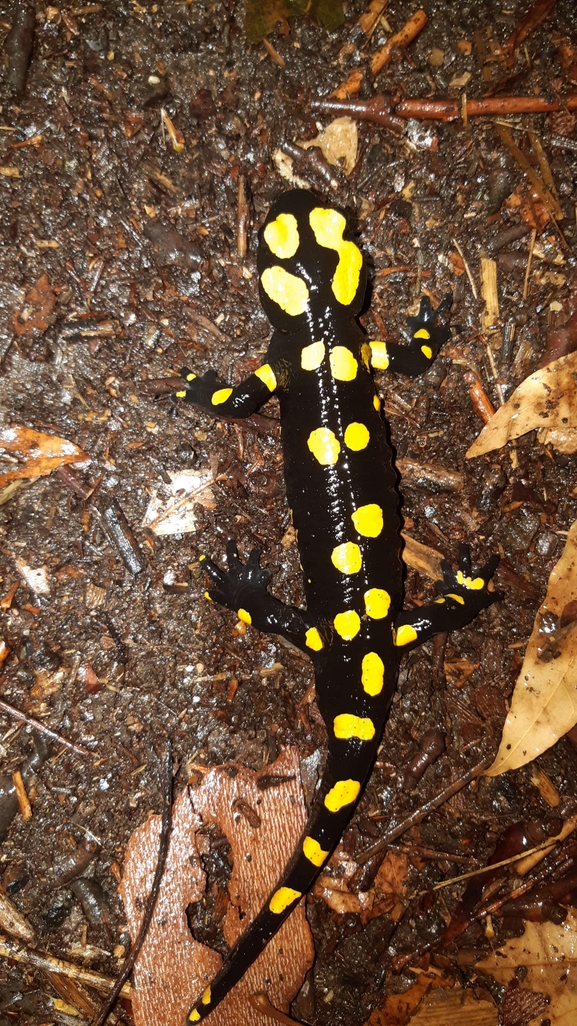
(29,957)
(162,853)
(467,268)
(529,262)
(44,729)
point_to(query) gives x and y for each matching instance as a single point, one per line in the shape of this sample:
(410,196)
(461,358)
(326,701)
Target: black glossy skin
(322,498)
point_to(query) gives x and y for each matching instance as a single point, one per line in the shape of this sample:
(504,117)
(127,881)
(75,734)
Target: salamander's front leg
(243,588)
(238,401)
(429,331)
(462,596)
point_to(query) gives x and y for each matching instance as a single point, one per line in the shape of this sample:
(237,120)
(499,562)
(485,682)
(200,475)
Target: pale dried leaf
(38,453)
(548,952)
(544,703)
(546,400)
(339,143)
(173,969)
(171,507)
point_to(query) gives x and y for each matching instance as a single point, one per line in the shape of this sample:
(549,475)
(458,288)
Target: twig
(147,918)
(27,956)
(399,40)
(262,1004)
(37,725)
(529,262)
(380,110)
(467,268)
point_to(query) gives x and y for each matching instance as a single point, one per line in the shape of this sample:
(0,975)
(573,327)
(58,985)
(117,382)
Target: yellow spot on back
(313,639)
(324,445)
(347,624)
(267,376)
(372,673)
(422,333)
(368,520)
(357,436)
(427,351)
(347,558)
(345,792)
(457,598)
(343,364)
(328,226)
(312,356)
(313,851)
(377,403)
(347,726)
(220,396)
(205,999)
(366,354)
(377,603)
(190,377)
(282,898)
(194,1015)
(286,290)
(244,616)
(180,395)
(379,355)
(405,635)
(282,236)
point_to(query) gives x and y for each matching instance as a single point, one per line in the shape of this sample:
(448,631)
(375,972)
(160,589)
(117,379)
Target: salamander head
(307,266)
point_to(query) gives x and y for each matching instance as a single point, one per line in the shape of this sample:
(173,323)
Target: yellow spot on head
(343,364)
(422,333)
(221,396)
(282,898)
(282,236)
(267,376)
(286,290)
(405,635)
(377,603)
(427,351)
(313,851)
(190,377)
(368,520)
(457,598)
(347,558)
(345,792)
(194,1015)
(328,226)
(325,446)
(347,624)
(205,999)
(357,436)
(313,639)
(180,395)
(312,356)
(372,674)
(244,616)
(347,726)
(379,355)
(376,403)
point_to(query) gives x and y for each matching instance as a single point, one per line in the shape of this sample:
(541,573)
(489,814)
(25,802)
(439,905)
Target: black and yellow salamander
(341,488)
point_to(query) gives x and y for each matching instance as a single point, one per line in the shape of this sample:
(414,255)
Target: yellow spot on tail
(372,674)
(345,792)
(313,639)
(313,851)
(347,624)
(427,351)
(244,616)
(205,999)
(312,356)
(377,603)
(194,1015)
(286,290)
(324,445)
(221,396)
(405,635)
(343,364)
(282,236)
(180,395)
(282,898)
(267,376)
(190,377)
(347,558)
(377,403)
(422,333)
(328,226)
(472,583)
(379,355)
(347,726)
(368,520)
(357,436)
(457,598)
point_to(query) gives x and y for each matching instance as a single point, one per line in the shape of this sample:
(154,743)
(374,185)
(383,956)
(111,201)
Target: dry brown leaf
(339,143)
(546,400)
(173,969)
(548,953)
(444,1007)
(40,453)
(544,703)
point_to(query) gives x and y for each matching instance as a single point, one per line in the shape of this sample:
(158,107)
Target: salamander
(341,490)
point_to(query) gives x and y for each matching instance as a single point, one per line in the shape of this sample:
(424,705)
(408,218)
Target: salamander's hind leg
(462,595)
(243,588)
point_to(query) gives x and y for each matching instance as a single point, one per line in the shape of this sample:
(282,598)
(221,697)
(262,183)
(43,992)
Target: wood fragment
(546,787)
(481,403)
(21,795)
(18,46)
(39,960)
(13,922)
(536,14)
(546,197)
(242,218)
(398,40)
(490,314)
(121,535)
(370,18)
(274,54)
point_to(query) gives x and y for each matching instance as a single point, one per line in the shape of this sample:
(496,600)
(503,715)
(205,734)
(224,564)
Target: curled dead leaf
(37,453)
